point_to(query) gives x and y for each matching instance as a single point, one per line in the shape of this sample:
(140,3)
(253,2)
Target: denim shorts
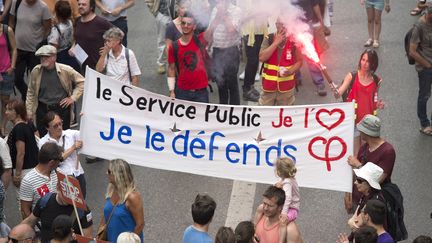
(7,84)
(376,4)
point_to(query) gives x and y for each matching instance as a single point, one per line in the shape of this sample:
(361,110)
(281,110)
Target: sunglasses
(10,239)
(360,180)
(184,23)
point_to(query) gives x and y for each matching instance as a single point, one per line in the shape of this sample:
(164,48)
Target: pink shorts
(292,214)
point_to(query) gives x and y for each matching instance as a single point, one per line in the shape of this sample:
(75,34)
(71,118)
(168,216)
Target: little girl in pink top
(286,170)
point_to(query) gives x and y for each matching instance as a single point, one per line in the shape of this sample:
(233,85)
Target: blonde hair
(123,177)
(128,237)
(285,168)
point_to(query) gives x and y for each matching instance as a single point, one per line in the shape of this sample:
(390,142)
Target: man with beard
(186,58)
(88,34)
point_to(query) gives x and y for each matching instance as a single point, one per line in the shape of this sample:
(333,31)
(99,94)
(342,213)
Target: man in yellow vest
(281,59)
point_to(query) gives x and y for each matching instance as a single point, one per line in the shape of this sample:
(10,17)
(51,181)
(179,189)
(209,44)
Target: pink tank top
(267,235)
(5,61)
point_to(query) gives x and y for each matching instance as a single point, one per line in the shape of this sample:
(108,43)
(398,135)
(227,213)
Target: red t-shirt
(364,97)
(192,73)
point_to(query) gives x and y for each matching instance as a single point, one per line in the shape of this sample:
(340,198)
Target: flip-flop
(426,131)
(415,11)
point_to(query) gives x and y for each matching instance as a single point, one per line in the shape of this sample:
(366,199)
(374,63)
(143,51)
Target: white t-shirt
(110,5)
(67,140)
(118,67)
(5,155)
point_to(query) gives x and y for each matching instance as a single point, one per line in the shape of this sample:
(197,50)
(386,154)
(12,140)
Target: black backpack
(407,42)
(127,60)
(345,94)
(395,211)
(208,61)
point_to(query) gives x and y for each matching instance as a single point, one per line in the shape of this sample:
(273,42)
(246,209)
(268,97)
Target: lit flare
(305,40)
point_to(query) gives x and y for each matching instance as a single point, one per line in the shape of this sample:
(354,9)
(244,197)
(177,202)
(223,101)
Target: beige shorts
(277,98)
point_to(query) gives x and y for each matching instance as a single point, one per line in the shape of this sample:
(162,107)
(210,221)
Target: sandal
(375,44)
(415,11)
(426,130)
(368,43)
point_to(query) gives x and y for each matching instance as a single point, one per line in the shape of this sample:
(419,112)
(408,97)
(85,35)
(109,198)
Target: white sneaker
(257,77)
(241,76)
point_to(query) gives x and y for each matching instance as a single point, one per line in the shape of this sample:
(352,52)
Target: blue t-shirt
(191,235)
(385,238)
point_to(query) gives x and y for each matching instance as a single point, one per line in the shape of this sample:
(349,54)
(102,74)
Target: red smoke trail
(305,40)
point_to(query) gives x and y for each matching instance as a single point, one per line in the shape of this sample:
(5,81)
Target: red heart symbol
(327,144)
(330,113)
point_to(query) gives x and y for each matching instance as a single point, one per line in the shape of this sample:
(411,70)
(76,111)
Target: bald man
(22,233)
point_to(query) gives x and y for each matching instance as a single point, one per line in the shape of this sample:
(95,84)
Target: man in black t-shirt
(47,209)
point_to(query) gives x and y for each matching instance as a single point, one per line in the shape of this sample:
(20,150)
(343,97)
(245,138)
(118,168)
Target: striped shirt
(221,37)
(34,185)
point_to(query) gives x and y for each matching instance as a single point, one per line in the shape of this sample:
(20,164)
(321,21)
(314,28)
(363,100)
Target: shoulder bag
(102,231)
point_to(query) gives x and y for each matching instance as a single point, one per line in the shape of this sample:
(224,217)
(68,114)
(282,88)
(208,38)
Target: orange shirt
(267,235)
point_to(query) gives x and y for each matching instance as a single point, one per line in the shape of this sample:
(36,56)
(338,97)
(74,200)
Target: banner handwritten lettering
(233,142)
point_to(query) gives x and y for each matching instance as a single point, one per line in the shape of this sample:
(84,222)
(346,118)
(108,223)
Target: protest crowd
(46,46)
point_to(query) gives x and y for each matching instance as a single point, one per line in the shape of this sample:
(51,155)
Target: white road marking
(242,198)
(241,203)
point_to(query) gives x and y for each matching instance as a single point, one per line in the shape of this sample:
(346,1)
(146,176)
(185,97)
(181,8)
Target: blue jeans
(425,81)
(315,73)
(200,95)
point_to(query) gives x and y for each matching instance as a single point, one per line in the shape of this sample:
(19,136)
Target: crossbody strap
(112,211)
(128,63)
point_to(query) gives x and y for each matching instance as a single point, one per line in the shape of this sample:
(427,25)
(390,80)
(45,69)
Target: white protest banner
(233,142)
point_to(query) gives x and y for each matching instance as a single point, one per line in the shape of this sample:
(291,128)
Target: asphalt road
(168,195)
